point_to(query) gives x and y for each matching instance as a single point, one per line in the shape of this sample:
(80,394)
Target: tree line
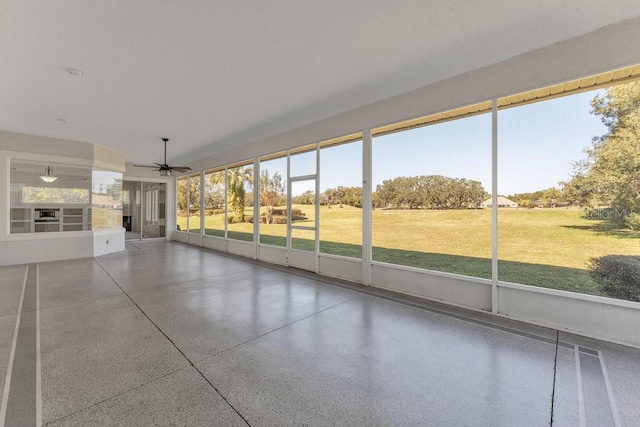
(548,198)
(418,192)
(430,192)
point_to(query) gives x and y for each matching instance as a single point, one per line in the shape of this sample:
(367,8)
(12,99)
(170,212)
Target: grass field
(541,247)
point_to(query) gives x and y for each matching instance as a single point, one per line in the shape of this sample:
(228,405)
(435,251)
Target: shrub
(246,219)
(633,221)
(210,212)
(275,219)
(280,220)
(617,276)
(296,214)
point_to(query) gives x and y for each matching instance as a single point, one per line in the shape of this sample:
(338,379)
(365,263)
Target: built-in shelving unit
(76,219)
(21,220)
(49,219)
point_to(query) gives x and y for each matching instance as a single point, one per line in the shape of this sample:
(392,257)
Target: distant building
(503,202)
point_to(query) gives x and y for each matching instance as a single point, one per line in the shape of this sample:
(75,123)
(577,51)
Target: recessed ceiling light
(65,121)
(75,72)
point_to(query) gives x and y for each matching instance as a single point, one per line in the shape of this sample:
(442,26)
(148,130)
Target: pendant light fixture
(48,175)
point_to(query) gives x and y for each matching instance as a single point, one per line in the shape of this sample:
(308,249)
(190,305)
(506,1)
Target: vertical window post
(317,210)
(202,215)
(494,206)
(288,205)
(256,206)
(367,189)
(188,190)
(226,203)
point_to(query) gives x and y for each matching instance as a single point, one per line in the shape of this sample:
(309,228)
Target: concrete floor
(168,334)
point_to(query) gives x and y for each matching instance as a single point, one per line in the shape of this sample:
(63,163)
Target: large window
(567,207)
(431,185)
(273,201)
(181,204)
(341,199)
(194,204)
(568,185)
(214,203)
(240,202)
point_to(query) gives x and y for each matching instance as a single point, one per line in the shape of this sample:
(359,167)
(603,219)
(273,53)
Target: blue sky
(537,146)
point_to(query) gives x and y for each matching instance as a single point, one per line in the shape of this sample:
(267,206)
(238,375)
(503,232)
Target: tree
(271,192)
(237,179)
(181,196)
(194,194)
(551,197)
(214,191)
(611,173)
(350,196)
(306,198)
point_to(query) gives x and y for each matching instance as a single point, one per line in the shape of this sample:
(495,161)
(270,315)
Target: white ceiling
(216,73)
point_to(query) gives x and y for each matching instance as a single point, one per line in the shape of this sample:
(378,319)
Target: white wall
(18,142)
(108,241)
(597,317)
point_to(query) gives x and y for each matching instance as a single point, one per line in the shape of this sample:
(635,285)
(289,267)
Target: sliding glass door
(153,211)
(143,213)
(131,209)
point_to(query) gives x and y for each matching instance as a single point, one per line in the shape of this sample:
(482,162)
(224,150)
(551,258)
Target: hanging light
(48,175)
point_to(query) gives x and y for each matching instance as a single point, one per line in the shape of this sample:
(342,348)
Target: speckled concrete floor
(168,334)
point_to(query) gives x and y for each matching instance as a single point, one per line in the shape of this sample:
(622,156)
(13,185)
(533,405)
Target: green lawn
(541,247)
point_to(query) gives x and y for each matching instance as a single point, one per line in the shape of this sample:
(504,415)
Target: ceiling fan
(165,169)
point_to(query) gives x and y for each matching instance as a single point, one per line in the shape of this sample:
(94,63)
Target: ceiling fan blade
(145,166)
(180,168)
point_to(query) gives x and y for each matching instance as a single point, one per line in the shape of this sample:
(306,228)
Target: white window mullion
(256,206)
(494,207)
(317,209)
(288,206)
(367,189)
